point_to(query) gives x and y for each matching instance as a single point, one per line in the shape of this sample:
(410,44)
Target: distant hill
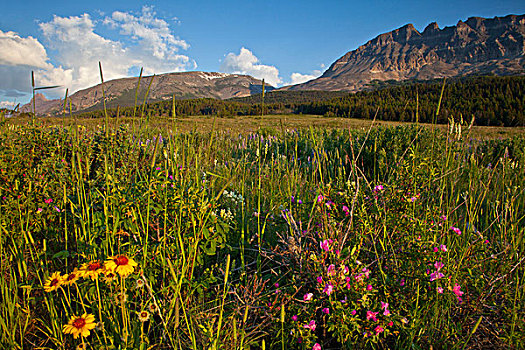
(186,85)
(479,46)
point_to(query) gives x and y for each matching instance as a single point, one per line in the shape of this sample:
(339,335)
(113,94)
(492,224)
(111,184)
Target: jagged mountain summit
(478,46)
(183,85)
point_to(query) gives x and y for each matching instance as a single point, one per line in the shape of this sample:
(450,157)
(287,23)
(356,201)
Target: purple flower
(294,317)
(326,310)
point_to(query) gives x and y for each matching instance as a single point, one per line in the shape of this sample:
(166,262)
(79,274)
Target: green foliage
(230,233)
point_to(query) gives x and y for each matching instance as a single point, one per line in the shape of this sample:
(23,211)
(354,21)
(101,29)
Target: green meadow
(272,232)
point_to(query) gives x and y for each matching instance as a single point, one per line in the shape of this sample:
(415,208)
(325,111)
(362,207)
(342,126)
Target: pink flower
(346,270)
(379,329)
(326,310)
(328,289)
(366,272)
(353,312)
(386,312)
(371,315)
(276,285)
(331,270)
(320,198)
(456,230)
(436,275)
(311,325)
(346,210)
(402,283)
(49,200)
(443,248)
(294,317)
(369,287)
(440,290)
(317,346)
(458,292)
(57,209)
(325,245)
(438,265)
(39,210)
(319,279)
(308,296)
(436,249)
(378,188)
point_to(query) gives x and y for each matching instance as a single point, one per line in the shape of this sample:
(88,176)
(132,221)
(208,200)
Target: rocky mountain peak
(476,46)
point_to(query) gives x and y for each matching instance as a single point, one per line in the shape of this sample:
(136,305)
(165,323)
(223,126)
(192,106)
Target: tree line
(493,101)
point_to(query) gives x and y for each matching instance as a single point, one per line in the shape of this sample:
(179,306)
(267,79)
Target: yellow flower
(121,298)
(92,269)
(143,316)
(153,308)
(140,283)
(121,264)
(80,325)
(70,278)
(54,282)
(110,276)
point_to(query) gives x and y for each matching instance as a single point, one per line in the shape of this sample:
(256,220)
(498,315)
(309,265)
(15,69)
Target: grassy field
(244,124)
(282,232)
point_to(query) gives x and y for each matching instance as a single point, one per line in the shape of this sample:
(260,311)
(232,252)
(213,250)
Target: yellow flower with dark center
(153,308)
(71,278)
(92,269)
(121,264)
(110,276)
(143,316)
(54,282)
(121,298)
(80,325)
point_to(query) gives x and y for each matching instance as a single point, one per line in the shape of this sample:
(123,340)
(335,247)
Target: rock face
(182,85)
(477,46)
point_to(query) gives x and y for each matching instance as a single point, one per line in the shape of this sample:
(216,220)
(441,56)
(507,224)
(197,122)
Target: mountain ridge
(184,85)
(474,47)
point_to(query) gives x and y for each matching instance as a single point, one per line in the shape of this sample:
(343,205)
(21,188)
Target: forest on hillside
(493,101)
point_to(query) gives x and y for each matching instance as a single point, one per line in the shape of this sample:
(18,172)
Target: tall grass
(232,232)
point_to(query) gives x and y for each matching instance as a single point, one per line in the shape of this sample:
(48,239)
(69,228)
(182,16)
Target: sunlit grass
(288,230)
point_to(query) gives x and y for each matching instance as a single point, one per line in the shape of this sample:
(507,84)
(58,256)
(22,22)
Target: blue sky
(284,41)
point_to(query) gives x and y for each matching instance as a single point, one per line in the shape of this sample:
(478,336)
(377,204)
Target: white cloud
(153,33)
(147,41)
(298,78)
(17,51)
(247,63)
(7,104)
